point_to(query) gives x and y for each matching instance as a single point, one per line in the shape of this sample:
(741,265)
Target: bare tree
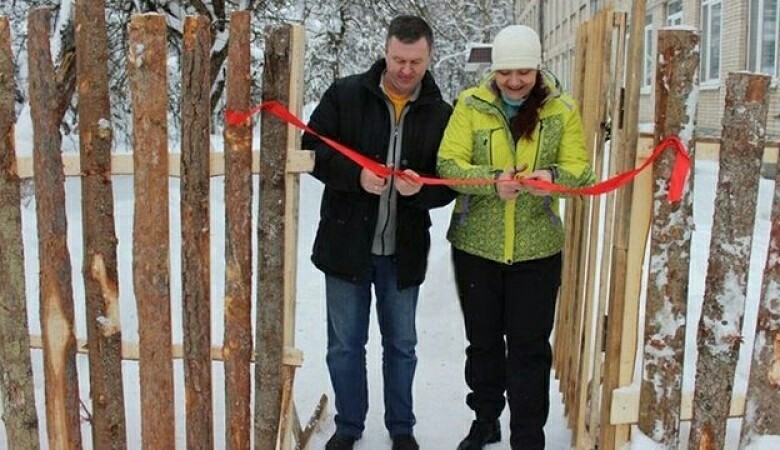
(343,37)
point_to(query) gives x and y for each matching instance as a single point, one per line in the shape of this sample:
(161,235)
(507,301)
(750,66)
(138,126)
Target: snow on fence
(600,315)
(276,423)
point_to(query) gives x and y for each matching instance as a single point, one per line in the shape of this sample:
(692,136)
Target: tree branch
(219,14)
(65,73)
(201,8)
(66,82)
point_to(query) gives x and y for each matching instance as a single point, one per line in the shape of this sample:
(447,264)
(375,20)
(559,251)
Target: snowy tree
(343,37)
(456,23)
(63,51)
(218,12)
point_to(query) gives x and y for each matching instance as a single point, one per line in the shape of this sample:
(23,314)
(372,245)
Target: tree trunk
(667,287)
(104,328)
(16,379)
(151,266)
(270,304)
(56,292)
(762,417)
(196,267)
(720,327)
(238,240)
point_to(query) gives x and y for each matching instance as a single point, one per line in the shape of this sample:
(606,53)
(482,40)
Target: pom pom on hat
(516,47)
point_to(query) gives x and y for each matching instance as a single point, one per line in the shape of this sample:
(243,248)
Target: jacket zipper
(538,145)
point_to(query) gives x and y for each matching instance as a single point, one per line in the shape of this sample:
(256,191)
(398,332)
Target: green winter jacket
(478,144)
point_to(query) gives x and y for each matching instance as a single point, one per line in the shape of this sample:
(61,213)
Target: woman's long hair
(524,122)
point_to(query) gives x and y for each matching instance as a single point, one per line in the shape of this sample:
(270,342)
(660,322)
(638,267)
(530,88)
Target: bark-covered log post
(762,415)
(104,328)
(151,265)
(196,257)
(237,349)
(56,291)
(16,378)
(676,88)
(277,222)
(720,326)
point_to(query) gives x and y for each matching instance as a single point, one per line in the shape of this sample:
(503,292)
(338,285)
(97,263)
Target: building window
(710,49)
(764,34)
(595,6)
(647,62)
(674,13)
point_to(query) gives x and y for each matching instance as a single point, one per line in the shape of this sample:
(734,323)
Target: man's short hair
(409,29)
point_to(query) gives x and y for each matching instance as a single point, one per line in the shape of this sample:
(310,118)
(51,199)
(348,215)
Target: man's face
(406,65)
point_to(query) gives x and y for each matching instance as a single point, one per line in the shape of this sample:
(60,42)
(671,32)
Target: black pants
(509,312)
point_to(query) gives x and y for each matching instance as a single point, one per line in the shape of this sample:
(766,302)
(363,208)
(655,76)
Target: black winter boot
(481,434)
(405,442)
(340,442)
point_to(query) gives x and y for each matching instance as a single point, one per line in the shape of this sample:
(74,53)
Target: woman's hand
(508,186)
(544,175)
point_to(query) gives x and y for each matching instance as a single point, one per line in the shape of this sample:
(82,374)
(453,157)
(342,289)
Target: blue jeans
(349,307)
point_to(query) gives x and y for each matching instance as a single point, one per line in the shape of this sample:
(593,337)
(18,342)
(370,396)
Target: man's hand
(408,184)
(372,183)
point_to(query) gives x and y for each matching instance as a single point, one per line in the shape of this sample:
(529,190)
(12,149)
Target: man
(374,230)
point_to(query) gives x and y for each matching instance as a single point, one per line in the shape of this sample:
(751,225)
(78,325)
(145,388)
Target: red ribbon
(682,162)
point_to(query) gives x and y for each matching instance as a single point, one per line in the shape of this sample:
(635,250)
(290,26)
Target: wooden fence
(275,420)
(600,317)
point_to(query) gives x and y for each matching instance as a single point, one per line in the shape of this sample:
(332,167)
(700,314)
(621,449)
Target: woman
(507,238)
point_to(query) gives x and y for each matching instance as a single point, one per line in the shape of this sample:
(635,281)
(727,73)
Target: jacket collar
(426,91)
(487,91)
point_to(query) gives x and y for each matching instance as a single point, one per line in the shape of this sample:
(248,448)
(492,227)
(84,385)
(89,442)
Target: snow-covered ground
(443,419)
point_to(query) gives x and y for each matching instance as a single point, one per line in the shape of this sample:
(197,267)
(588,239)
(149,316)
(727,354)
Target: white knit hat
(516,47)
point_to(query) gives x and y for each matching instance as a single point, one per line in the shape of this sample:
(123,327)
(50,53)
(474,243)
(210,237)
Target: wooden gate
(599,328)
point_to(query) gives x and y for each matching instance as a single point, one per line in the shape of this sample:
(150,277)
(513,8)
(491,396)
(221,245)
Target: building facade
(736,35)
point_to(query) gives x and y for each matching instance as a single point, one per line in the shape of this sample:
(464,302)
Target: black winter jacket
(354,112)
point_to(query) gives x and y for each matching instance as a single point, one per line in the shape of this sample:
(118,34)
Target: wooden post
(667,291)
(276,262)
(56,291)
(594,113)
(238,239)
(151,266)
(616,70)
(104,328)
(196,257)
(720,328)
(569,293)
(293,167)
(623,308)
(16,379)
(762,417)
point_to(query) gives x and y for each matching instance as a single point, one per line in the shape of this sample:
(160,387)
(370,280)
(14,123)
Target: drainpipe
(541,25)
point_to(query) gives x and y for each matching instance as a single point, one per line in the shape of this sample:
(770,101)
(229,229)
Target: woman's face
(516,84)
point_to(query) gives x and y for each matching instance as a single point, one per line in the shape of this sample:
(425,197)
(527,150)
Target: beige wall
(562,18)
